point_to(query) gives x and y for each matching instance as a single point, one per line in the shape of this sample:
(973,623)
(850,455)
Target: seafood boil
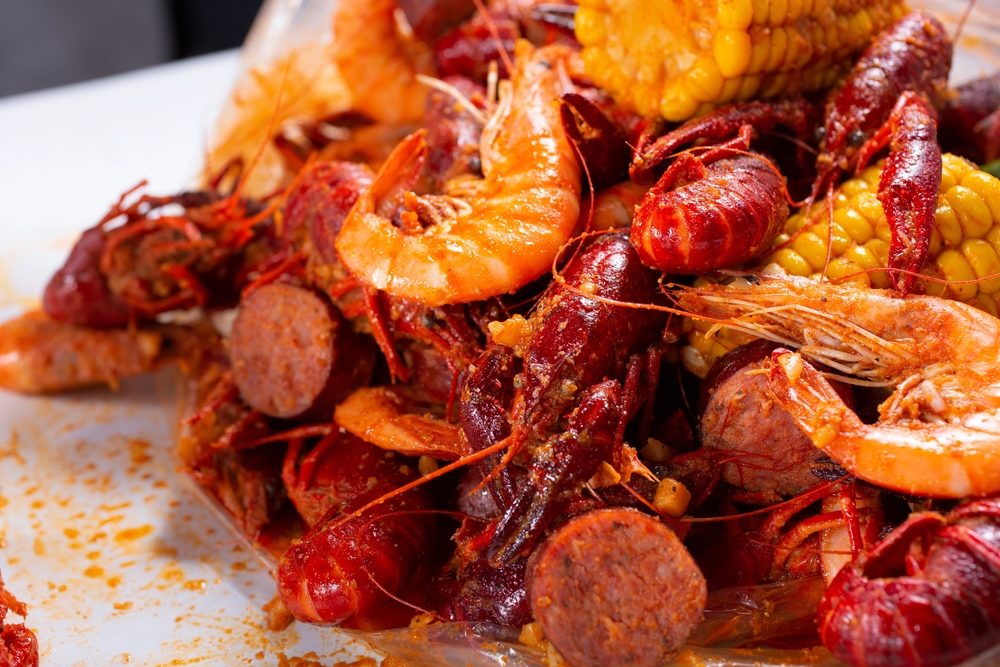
(579,319)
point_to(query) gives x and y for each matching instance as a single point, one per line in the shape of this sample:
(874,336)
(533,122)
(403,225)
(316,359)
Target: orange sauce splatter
(122,606)
(94,571)
(114,581)
(133,533)
(71,533)
(196,585)
(137,451)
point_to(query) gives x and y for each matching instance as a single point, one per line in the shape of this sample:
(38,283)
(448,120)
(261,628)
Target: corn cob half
(681,58)
(965,246)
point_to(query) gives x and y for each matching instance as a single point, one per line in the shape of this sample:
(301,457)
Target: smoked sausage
(737,414)
(615,587)
(295,356)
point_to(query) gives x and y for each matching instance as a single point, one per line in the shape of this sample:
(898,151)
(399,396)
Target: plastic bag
(289,52)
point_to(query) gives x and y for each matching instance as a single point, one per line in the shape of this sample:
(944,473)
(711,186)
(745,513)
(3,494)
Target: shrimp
(492,235)
(937,435)
(379,64)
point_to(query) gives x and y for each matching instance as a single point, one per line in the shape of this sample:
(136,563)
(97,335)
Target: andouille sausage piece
(737,414)
(615,587)
(41,355)
(294,355)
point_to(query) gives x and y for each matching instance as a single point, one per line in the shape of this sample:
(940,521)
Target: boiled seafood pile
(601,322)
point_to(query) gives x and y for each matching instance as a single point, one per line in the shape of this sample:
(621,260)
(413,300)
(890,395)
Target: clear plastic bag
(290,50)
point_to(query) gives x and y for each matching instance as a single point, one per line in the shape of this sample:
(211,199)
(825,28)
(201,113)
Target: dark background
(45,43)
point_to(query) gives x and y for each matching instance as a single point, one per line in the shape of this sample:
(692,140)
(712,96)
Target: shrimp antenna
(961,21)
(495,34)
(455,93)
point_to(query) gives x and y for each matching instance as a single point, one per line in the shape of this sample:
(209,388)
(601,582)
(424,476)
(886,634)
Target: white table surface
(99,535)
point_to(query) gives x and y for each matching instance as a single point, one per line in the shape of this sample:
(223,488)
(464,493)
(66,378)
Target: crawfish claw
(908,188)
(559,469)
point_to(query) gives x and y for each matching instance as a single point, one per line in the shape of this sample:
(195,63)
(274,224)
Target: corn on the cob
(681,58)
(965,246)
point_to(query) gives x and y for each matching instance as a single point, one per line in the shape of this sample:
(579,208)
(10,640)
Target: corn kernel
(861,256)
(972,212)
(958,166)
(954,267)
(792,262)
(937,245)
(700,342)
(761,10)
(863,23)
(868,205)
(704,80)
(933,287)
(987,187)
(775,84)
(718,350)
(946,221)
(749,87)
(854,224)
(842,270)
(984,261)
(730,89)
(735,14)
(779,48)
(795,223)
(993,236)
(882,230)
(878,249)
(897,11)
(872,174)
(778,12)
(677,104)
(986,302)
(732,50)
(948,180)
(812,248)
(591,26)
(794,11)
(760,37)
(807,8)
(855,186)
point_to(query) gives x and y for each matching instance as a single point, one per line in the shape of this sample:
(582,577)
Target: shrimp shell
(489,236)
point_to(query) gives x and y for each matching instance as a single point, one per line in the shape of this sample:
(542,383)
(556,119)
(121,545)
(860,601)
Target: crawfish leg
(487,390)
(798,114)
(559,469)
(908,188)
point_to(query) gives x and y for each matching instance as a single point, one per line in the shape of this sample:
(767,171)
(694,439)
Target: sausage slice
(615,587)
(294,355)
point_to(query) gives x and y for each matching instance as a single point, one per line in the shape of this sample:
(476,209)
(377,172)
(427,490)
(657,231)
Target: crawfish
(18,645)
(711,211)
(928,594)
(571,346)
(341,569)
(889,97)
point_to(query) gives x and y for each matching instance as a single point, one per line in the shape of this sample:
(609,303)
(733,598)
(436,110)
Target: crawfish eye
(855,139)
(820,134)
